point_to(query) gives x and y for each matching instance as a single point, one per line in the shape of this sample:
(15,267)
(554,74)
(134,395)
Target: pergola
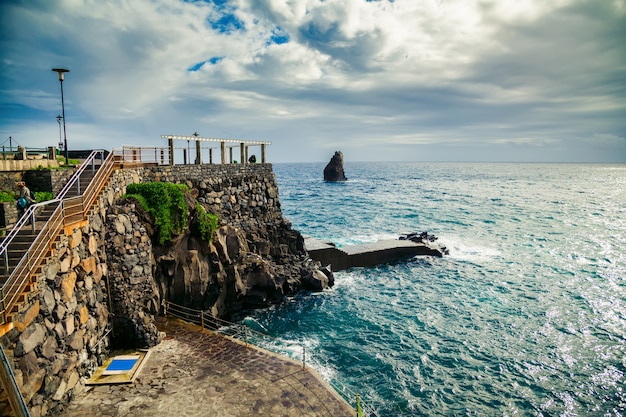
(243,147)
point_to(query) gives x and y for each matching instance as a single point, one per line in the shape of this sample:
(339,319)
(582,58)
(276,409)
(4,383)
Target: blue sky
(416,80)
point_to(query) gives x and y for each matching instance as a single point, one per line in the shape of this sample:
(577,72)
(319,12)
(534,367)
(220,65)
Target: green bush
(166,202)
(142,201)
(208,222)
(41,196)
(7,197)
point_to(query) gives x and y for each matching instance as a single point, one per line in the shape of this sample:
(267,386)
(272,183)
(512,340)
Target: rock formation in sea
(334,169)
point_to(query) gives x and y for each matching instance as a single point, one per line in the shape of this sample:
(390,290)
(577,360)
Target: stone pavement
(198,373)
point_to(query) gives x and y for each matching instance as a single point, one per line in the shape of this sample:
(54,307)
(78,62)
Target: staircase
(28,245)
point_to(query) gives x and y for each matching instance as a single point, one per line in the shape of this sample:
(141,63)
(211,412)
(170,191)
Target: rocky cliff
(254,259)
(105,278)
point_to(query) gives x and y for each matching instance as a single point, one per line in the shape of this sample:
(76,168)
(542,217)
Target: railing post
(303,357)
(32,221)
(6,261)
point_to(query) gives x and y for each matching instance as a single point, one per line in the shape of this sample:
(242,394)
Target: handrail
(20,276)
(144,154)
(75,179)
(29,214)
(12,390)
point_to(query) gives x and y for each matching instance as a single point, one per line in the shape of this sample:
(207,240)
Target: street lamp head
(61,71)
(59,117)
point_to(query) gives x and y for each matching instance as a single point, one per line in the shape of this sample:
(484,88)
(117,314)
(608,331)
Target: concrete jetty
(367,254)
(194,372)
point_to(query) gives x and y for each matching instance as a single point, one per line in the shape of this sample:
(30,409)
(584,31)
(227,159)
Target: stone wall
(8,214)
(106,280)
(135,297)
(63,331)
(36,179)
(47,180)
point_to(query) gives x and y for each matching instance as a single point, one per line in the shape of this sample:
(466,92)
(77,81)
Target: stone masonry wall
(63,331)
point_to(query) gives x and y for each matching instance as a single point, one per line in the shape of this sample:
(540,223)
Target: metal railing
(146,155)
(67,212)
(238,331)
(242,332)
(12,390)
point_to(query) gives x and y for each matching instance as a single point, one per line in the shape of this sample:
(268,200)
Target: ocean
(525,317)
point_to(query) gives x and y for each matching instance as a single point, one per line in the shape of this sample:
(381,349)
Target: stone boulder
(334,170)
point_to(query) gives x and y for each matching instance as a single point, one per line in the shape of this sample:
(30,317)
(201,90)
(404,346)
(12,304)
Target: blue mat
(121,365)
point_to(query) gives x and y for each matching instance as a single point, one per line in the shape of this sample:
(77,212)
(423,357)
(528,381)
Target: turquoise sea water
(526,316)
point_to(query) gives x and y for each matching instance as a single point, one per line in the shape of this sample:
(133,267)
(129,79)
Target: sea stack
(334,170)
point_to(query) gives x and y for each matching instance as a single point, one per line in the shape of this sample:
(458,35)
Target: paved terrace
(198,373)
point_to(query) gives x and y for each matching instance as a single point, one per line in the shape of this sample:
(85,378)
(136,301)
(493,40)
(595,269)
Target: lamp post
(59,117)
(61,72)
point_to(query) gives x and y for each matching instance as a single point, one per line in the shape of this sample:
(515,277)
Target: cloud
(427,79)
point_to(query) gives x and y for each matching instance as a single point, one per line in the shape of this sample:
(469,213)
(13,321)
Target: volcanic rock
(334,170)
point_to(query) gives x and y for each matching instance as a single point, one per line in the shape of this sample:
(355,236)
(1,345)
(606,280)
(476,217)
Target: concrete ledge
(367,254)
(25,165)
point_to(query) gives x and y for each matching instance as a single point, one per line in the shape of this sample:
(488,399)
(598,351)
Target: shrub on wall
(41,196)
(207,222)
(7,197)
(166,202)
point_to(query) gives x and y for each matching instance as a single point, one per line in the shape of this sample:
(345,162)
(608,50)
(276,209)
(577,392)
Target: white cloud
(426,73)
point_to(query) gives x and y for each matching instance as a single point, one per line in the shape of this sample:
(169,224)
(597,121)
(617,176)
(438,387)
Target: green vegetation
(7,197)
(166,202)
(41,196)
(207,222)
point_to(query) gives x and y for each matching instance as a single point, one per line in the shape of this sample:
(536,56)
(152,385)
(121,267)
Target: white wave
(466,250)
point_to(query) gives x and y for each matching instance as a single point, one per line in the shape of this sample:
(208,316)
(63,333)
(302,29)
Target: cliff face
(254,259)
(105,280)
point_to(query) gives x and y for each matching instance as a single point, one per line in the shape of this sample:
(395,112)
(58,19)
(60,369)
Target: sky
(403,80)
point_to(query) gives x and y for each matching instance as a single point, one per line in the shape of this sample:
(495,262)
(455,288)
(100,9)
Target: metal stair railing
(14,395)
(75,179)
(30,213)
(144,154)
(67,212)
